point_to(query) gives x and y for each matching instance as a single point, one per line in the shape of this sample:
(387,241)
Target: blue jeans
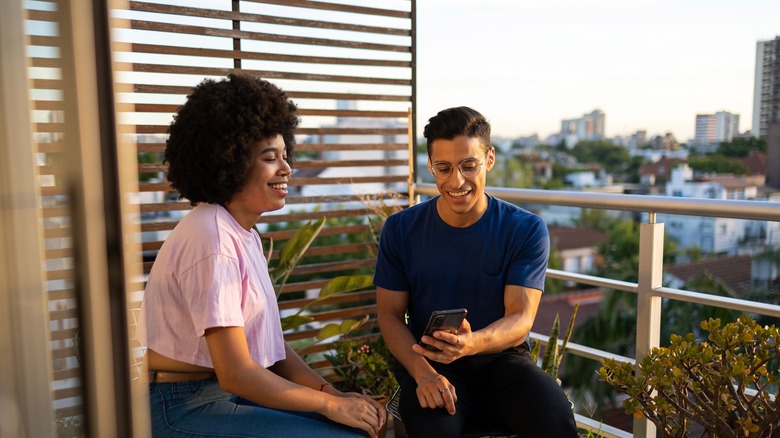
(201,409)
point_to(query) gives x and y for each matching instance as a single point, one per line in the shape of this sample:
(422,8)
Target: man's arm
(520,304)
(433,389)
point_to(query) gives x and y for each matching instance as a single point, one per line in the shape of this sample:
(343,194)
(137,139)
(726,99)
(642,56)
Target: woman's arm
(294,369)
(238,374)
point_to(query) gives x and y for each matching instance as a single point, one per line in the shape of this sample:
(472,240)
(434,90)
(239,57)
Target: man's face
(463,198)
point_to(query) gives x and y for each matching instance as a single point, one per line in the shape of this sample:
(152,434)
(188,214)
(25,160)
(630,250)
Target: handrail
(648,289)
(649,203)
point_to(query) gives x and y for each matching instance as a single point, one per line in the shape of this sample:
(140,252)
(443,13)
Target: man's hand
(435,391)
(451,346)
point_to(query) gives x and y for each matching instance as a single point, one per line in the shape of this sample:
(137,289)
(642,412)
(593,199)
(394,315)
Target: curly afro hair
(214,135)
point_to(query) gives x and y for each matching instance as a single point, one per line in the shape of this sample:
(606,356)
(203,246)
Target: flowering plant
(363,365)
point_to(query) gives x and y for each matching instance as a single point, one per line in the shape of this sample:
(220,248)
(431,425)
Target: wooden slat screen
(48,115)
(350,70)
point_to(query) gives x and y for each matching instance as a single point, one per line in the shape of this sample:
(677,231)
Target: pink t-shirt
(210,272)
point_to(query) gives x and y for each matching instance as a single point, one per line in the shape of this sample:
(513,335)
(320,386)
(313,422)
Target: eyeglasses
(469,168)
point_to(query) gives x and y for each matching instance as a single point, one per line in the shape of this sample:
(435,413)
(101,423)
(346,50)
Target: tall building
(766,93)
(715,128)
(588,127)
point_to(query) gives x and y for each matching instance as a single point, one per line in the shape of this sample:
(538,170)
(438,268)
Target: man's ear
(491,158)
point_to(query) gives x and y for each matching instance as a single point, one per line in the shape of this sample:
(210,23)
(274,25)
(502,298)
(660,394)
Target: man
(467,249)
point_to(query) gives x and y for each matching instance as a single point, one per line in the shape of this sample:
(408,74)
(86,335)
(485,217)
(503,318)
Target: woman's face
(266,183)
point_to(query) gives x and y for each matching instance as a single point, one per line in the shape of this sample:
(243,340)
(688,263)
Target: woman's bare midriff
(157,361)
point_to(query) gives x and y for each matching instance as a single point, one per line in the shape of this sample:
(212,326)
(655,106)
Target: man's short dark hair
(453,122)
(214,135)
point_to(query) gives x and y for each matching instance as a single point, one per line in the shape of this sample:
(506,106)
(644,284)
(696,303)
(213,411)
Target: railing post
(648,311)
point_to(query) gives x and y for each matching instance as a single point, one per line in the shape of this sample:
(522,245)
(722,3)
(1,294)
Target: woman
(218,363)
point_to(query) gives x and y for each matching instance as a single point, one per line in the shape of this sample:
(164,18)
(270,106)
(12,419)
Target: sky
(649,65)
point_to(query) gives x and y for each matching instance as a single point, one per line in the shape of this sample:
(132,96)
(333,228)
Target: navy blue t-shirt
(444,267)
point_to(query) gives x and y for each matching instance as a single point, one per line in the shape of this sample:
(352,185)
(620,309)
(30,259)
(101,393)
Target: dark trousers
(505,390)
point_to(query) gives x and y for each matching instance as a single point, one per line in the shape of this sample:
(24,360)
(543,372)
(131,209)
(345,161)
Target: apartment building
(766,94)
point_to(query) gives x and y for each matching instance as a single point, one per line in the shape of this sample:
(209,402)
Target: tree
(614,328)
(511,172)
(716,163)
(612,157)
(741,146)
(553,286)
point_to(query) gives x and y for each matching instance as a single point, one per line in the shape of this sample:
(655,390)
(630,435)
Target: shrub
(707,382)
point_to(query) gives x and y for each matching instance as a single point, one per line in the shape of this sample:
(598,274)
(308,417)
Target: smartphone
(448,320)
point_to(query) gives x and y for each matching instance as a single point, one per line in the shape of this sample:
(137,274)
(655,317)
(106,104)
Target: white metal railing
(648,287)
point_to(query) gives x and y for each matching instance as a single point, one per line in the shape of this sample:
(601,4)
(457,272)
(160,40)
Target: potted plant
(363,365)
(728,384)
(289,256)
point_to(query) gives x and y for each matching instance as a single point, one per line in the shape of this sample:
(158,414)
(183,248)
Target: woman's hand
(357,410)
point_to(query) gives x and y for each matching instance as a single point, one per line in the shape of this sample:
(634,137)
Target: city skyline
(649,66)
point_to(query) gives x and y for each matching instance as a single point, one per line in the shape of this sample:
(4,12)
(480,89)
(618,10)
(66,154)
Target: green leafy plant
(363,365)
(553,353)
(289,257)
(707,382)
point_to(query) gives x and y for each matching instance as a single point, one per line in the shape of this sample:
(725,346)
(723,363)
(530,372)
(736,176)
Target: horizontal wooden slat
(66,334)
(163,129)
(301,164)
(171,108)
(49,147)
(49,105)
(258,56)
(64,393)
(62,353)
(320,268)
(267,74)
(258,18)
(182,29)
(336,315)
(53,190)
(61,294)
(307,147)
(47,41)
(317,164)
(52,233)
(56,315)
(334,249)
(55,212)
(165,206)
(280,236)
(294,181)
(46,62)
(48,84)
(70,411)
(67,373)
(52,127)
(59,253)
(337,7)
(335,299)
(182,90)
(61,274)
(317,147)
(314,215)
